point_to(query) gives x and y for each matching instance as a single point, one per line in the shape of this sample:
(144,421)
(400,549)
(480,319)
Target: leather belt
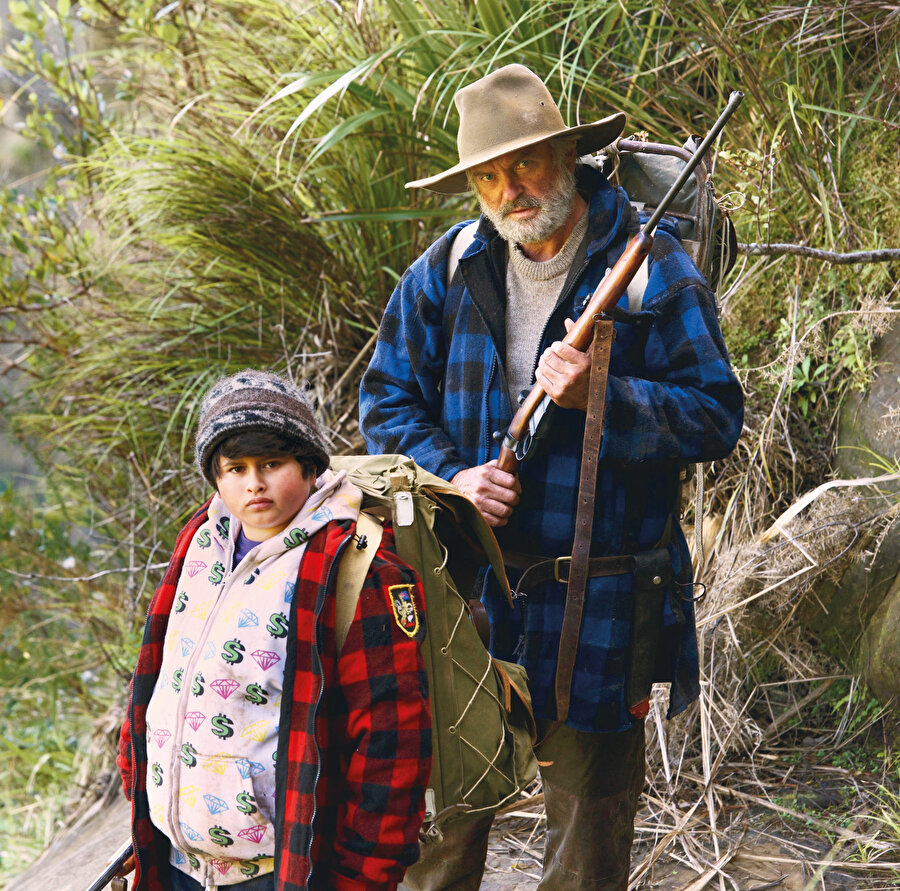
(549,569)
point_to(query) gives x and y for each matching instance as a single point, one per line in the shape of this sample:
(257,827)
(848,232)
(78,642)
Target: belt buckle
(556,563)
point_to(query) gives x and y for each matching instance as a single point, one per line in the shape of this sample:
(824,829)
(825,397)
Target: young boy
(256,756)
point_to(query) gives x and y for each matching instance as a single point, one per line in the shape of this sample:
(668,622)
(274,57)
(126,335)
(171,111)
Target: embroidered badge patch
(404,607)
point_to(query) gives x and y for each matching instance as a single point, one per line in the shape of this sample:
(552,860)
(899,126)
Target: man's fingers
(502,480)
(560,352)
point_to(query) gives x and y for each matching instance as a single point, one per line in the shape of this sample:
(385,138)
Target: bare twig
(775,249)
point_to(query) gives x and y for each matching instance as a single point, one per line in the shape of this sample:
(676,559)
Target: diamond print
(161,737)
(224,687)
(215,804)
(256,731)
(253,833)
(248,619)
(190,832)
(216,763)
(265,658)
(247,768)
(195,719)
(201,610)
(195,567)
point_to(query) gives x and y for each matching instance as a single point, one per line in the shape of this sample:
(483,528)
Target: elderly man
(451,361)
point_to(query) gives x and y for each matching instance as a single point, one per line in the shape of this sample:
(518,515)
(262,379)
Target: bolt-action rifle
(116,864)
(519,438)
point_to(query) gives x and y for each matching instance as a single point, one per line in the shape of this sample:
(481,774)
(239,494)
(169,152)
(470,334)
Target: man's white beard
(555,209)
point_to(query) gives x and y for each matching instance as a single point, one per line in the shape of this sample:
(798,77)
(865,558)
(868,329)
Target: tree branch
(772,250)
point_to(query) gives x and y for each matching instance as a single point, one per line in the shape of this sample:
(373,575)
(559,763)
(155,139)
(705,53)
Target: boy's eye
(273,463)
(234,468)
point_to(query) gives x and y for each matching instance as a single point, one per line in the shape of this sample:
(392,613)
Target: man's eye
(487,177)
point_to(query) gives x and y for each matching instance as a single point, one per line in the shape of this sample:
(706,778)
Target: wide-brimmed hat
(508,110)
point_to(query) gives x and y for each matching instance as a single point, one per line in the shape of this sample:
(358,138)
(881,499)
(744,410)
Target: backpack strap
(461,242)
(352,572)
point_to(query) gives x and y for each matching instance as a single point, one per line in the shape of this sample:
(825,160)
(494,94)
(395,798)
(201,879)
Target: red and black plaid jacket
(354,741)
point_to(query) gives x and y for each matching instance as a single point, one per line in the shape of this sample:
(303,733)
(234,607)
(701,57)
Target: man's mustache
(523,202)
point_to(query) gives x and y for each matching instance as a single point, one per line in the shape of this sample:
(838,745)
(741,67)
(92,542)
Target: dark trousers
(591,792)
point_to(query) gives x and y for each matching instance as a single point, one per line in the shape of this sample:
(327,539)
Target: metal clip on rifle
(109,874)
(516,442)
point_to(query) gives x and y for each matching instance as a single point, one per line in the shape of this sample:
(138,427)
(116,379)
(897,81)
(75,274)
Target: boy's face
(264,492)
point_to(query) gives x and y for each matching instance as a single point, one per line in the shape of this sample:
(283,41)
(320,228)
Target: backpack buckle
(556,563)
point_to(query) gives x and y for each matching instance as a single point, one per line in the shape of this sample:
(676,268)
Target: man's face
(527,194)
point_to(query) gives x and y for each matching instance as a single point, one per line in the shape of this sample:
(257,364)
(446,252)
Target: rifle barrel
(734,100)
(115,865)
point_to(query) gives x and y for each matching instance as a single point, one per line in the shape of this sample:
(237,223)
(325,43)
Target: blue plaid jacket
(436,390)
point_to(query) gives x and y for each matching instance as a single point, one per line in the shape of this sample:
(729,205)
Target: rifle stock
(608,292)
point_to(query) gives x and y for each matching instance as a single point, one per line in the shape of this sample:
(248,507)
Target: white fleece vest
(212,722)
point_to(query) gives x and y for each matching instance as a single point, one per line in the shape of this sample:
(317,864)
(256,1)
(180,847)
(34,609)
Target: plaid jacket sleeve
(382,674)
(400,400)
(686,403)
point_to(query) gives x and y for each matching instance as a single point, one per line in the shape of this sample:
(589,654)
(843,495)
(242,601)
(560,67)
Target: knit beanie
(258,400)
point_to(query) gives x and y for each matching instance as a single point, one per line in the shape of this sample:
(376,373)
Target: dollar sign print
(189,755)
(203,539)
(295,538)
(217,573)
(278,625)
(256,695)
(156,774)
(222,527)
(197,685)
(233,651)
(221,836)
(250,869)
(176,679)
(246,803)
(222,726)
(180,602)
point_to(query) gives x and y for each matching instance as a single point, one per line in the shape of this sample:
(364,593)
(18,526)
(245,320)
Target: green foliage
(63,665)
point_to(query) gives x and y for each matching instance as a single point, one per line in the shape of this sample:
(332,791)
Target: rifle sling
(601,350)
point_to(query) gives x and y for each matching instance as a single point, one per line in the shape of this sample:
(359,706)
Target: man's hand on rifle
(564,373)
(494,491)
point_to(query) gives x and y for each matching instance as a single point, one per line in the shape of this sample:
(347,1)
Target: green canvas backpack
(482,724)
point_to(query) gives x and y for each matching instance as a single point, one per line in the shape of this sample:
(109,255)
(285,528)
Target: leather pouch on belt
(652,575)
